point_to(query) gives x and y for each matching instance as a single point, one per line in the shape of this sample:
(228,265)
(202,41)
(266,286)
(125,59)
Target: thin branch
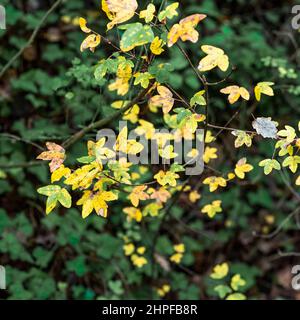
(31,39)
(101,123)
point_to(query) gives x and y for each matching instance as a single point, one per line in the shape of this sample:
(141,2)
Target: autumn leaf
(242,167)
(148,14)
(83,26)
(168,152)
(220,271)
(209,154)
(133,214)
(119,11)
(165,178)
(95,201)
(269,165)
(160,195)
(55,194)
(265,127)
(212,209)
(288,133)
(90,42)
(156,46)
(215,58)
(164,99)
(292,162)
(55,154)
(137,194)
(237,281)
(263,88)
(62,171)
(243,138)
(127,146)
(235,92)
(143,78)
(185,29)
(215,182)
(169,13)
(198,98)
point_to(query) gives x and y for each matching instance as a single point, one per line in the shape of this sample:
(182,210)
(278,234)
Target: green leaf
(64,198)
(49,190)
(198,98)
(222,290)
(136,34)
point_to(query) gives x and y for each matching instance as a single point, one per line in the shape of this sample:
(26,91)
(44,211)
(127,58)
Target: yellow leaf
(55,153)
(138,194)
(156,46)
(148,14)
(62,171)
(185,29)
(235,92)
(179,248)
(176,257)
(164,99)
(215,182)
(215,58)
(194,196)
(83,27)
(90,42)
(128,249)
(265,88)
(242,167)
(167,152)
(141,250)
(220,271)
(119,11)
(209,154)
(213,208)
(133,214)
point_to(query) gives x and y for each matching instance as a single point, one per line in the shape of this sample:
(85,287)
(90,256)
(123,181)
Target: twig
(31,39)
(99,124)
(279,228)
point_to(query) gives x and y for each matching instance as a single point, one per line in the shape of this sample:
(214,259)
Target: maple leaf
(169,13)
(242,167)
(138,194)
(215,58)
(289,134)
(215,182)
(243,138)
(185,29)
(127,146)
(209,153)
(55,154)
(55,194)
(265,88)
(269,165)
(213,208)
(133,214)
(292,162)
(164,178)
(164,99)
(156,46)
(161,195)
(148,14)
(168,152)
(235,92)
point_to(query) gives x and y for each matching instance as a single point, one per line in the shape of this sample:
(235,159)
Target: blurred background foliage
(50,92)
